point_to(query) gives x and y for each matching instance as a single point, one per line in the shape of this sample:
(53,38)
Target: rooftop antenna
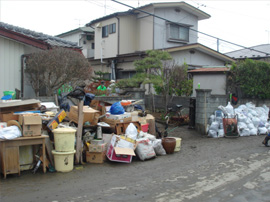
(79,22)
(105,6)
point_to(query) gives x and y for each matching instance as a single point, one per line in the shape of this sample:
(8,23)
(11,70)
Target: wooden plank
(79,133)
(49,149)
(19,103)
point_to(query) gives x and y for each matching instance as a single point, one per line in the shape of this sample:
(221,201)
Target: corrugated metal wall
(10,65)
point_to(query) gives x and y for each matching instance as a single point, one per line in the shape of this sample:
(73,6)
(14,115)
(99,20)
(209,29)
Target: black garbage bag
(88,98)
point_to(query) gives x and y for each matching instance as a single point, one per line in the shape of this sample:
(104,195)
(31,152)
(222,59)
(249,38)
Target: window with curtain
(178,32)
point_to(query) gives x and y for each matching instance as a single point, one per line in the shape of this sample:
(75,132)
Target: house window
(93,45)
(112,28)
(105,31)
(178,32)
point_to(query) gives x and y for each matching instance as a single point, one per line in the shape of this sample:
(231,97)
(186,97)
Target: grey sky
(243,22)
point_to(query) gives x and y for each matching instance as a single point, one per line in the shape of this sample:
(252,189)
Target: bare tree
(55,67)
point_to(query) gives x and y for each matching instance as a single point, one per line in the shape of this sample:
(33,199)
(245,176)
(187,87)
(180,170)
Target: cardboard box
(89,114)
(5,117)
(95,157)
(113,122)
(121,150)
(102,106)
(118,116)
(58,118)
(151,120)
(31,124)
(97,148)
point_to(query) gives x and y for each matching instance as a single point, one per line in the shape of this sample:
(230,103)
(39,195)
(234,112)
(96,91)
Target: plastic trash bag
(221,126)
(131,131)
(262,131)
(221,133)
(211,119)
(144,149)
(253,131)
(214,126)
(10,133)
(146,135)
(229,109)
(244,132)
(250,126)
(242,125)
(157,145)
(256,121)
(241,118)
(117,108)
(212,134)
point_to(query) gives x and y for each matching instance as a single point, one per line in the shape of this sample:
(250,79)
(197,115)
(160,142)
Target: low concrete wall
(153,102)
(206,104)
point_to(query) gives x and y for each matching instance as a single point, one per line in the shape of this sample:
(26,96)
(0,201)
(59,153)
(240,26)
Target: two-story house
(83,37)
(122,37)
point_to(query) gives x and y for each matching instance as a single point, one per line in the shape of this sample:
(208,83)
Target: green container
(13,93)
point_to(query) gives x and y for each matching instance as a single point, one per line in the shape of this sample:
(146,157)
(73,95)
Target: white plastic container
(63,161)
(178,144)
(64,139)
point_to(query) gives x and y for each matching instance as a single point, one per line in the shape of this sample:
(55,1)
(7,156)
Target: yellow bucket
(63,161)
(64,139)
(178,144)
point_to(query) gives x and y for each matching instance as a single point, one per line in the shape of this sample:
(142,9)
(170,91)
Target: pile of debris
(245,120)
(91,130)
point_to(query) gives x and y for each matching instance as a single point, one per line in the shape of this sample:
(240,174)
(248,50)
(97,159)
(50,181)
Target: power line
(188,27)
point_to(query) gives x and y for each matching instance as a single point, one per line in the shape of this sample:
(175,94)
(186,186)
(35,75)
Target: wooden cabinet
(9,153)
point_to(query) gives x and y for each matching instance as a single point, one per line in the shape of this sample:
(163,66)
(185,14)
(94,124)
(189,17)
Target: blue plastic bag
(117,108)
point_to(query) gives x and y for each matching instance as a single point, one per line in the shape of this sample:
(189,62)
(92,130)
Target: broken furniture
(9,153)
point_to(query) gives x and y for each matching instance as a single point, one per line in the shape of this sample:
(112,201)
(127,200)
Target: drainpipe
(118,45)
(118,35)
(22,75)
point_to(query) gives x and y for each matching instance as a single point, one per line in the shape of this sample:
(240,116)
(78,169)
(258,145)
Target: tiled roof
(80,29)
(216,69)
(251,53)
(51,40)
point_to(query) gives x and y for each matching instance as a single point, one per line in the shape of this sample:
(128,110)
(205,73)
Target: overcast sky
(242,22)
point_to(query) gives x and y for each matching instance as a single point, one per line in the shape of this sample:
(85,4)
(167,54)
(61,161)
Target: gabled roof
(109,17)
(80,29)
(210,70)
(36,39)
(181,5)
(251,53)
(201,48)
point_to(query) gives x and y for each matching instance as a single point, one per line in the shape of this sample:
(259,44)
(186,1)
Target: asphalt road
(205,169)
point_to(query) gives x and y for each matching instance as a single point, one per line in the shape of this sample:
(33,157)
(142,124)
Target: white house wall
(79,38)
(145,30)
(216,82)
(128,34)
(108,45)
(10,65)
(197,58)
(160,27)
(72,37)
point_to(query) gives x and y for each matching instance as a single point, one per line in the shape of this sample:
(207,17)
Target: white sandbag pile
(251,120)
